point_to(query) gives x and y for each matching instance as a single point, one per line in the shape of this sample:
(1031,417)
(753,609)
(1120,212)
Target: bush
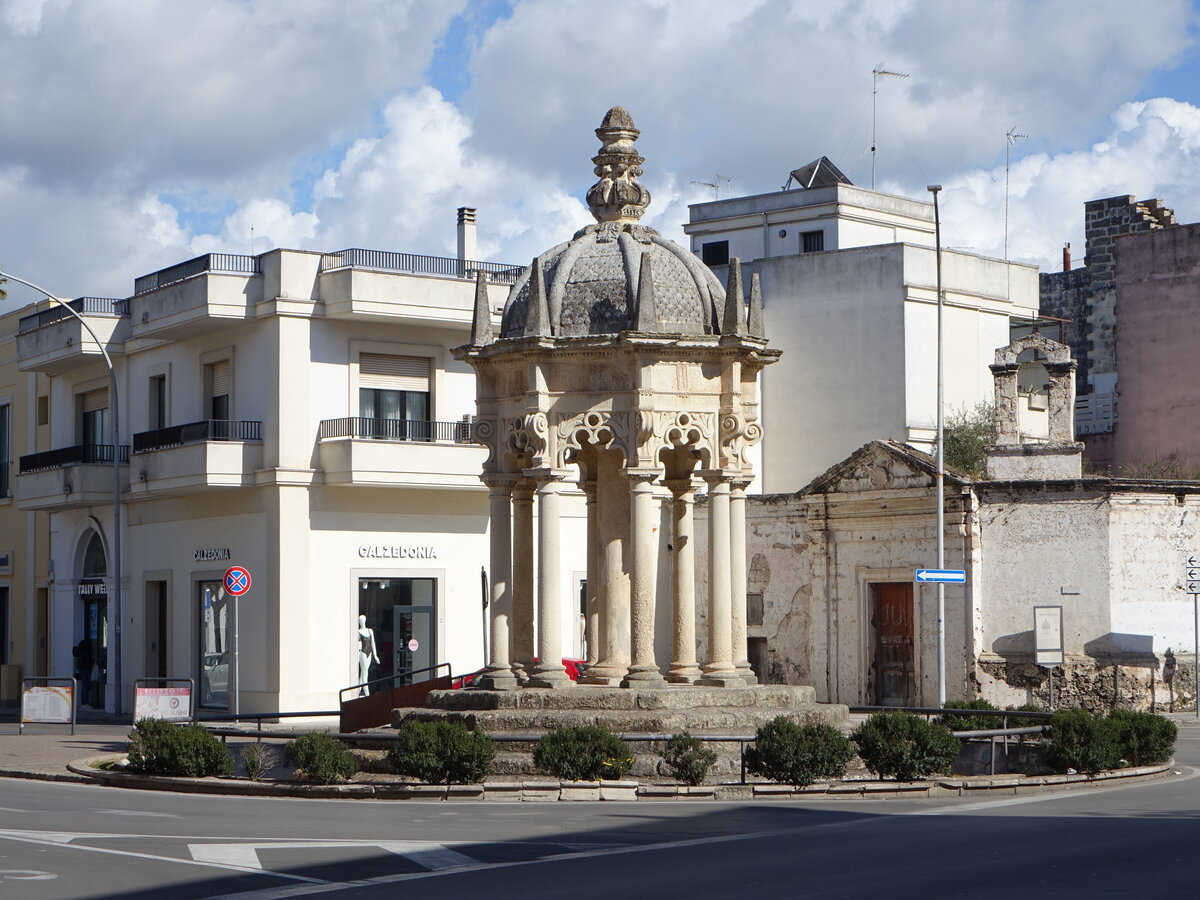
(687,758)
(442,752)
(1142,738)
(254,758)
(322,759)
(905,746)
(798,754)
(970,723)
(1082,741)
(582,753)
(159,747)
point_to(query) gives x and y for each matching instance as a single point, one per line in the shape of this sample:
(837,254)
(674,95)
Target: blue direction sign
(237,580)
(941,576)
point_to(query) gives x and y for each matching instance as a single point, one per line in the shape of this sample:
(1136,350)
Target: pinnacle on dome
(617,196)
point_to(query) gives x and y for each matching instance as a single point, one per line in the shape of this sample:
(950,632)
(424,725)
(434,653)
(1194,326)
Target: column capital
(739,483)
(546,475)
(642,476)
(715,477)
(679,486)
(500,482)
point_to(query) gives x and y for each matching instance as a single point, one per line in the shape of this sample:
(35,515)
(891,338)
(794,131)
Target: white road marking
(428,854)
(25,875)
(134,812)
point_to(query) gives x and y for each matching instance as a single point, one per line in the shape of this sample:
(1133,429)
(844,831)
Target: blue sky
(152,130)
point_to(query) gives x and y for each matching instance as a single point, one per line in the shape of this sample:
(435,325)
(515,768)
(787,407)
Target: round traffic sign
(237,580)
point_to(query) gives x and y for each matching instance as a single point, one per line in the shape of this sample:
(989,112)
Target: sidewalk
(44,751)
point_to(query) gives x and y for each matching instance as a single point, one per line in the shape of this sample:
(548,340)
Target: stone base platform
(658,711)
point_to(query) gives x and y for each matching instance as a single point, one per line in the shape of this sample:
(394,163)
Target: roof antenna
(709,184)
(878,71)
(1010,138)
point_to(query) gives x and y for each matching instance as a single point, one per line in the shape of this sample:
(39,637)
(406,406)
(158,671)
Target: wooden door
(892,665)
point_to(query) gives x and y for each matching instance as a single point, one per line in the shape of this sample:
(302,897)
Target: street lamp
(941,482)
(116,485)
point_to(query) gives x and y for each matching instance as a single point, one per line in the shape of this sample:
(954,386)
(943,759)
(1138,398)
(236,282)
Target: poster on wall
(162,703)
(46,703)
(1047,635)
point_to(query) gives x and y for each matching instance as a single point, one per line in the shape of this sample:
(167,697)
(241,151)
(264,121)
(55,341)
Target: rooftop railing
(410,263)
(65,456)
(195,432)
(397,430)
(85,306)
(227,263)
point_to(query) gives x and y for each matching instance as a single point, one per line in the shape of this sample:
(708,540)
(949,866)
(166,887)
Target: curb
(84,771)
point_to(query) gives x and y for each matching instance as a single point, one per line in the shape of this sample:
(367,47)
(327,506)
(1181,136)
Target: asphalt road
(80,841)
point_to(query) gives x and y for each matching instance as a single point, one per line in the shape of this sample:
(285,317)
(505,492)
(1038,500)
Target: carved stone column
(548,672)
(498,676)
(1008,430)
(523,651)
(684,668)
(737,566)
(720,670)
(591,624)
(612,522)
(1061,401)
(643,670)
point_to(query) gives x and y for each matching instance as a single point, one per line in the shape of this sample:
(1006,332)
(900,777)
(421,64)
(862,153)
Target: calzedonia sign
(208,554)
(385,551)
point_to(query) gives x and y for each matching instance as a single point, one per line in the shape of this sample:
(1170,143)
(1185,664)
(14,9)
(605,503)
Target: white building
(849,292)
(296,413)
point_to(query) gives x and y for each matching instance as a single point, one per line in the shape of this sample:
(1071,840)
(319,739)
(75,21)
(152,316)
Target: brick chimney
(1067,257)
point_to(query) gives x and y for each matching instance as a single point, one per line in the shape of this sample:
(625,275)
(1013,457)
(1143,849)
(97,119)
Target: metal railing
(398,430)
(229,263)
(87,306)
(394,680)
(196,432)
(414,264)
(66,456)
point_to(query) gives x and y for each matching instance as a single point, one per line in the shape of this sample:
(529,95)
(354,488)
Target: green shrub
(687,758)
(798,754)
(1027,707)
(159,747)
(1082,741)
(322,759)
(905,746)
(1142,738)
(443,752)
(970,723)
(582,753)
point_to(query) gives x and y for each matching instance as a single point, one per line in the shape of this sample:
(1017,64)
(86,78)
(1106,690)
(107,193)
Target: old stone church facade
(832,599)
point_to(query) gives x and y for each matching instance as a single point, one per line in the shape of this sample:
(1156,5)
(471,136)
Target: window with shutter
(94,408)
(394,396)
(219,376)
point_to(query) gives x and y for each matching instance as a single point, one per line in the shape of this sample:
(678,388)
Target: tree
(967,433)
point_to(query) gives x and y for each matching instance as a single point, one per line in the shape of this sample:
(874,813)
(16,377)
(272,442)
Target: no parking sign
(237,580)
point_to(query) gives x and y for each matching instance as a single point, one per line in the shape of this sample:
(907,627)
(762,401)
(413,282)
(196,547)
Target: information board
(1047,635)
(47,703)
(162,703)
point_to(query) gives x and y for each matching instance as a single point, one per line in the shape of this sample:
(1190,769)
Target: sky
(135,134)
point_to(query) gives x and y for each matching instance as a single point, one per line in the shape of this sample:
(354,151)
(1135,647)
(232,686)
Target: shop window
(715,253)
(402,612)
(216,629)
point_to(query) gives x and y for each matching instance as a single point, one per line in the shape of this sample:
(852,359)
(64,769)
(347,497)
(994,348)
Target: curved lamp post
(116,487)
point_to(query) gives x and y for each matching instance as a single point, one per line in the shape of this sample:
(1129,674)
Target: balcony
(181,459)
(365,283)
(53,340)
(400,453)
(69,477)
(202,294)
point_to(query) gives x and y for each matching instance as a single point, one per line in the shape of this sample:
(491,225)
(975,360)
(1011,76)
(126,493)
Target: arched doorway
(91,653)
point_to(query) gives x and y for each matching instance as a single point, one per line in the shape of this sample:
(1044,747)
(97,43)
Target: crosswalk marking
(425,854)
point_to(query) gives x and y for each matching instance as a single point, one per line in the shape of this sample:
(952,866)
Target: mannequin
(367,654)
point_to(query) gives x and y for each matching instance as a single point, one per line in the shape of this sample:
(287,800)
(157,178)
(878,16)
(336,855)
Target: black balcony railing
(230,263)
(66,456)
(85,306)
(397,430)
(195,432)
(410,263)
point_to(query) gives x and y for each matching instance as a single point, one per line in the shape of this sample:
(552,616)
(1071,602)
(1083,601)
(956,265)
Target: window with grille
(812,241)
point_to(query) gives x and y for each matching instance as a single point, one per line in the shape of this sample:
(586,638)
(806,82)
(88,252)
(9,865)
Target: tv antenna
(716,185)
(1010,138)
(876,73)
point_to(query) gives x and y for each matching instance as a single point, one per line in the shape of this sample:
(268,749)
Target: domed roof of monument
(615,275)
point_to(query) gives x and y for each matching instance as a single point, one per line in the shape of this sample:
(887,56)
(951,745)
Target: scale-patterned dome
(597,282)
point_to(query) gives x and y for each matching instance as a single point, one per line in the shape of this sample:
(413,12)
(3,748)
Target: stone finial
(646,315)
(733,321)
(756,327)
(481,323)
(617,196)
(537,313)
